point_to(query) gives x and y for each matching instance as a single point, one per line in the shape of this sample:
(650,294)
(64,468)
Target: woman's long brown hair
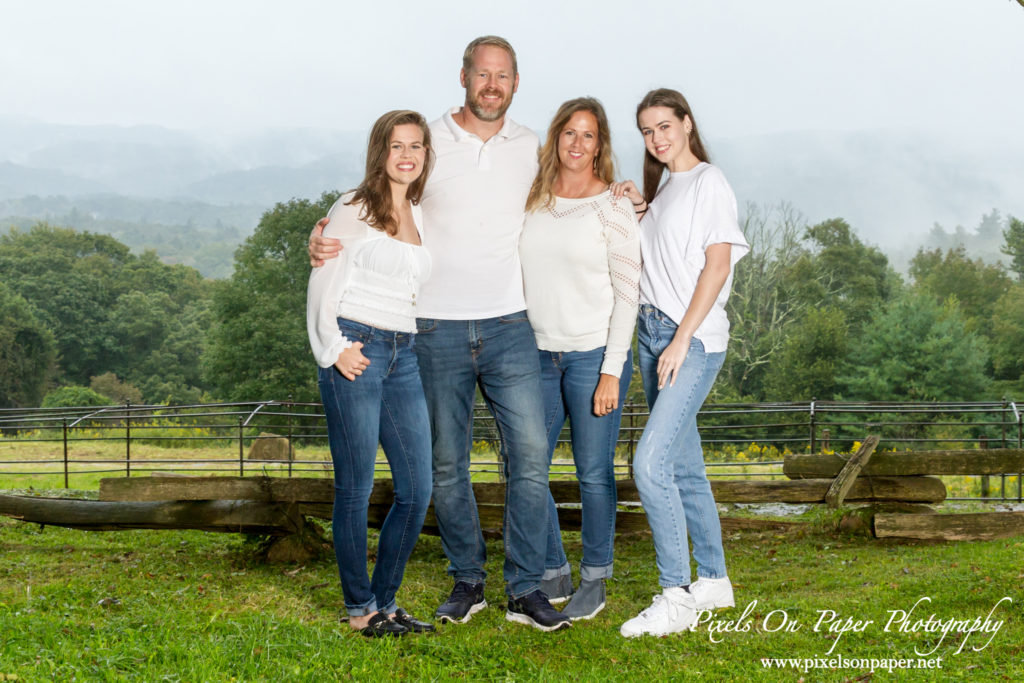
(374,193)
(674,100)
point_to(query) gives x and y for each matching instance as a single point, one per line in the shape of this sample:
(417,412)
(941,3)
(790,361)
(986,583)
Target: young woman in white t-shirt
(580,253)
(361,320)
(690,240)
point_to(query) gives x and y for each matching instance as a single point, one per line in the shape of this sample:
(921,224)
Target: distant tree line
(816,313)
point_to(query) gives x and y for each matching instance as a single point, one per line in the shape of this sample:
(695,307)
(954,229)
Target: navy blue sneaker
(533,609)
(466,600)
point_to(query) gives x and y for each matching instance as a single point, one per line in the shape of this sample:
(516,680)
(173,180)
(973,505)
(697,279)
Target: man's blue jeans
(669,461)
(500,355)
(385,403)
(569,379)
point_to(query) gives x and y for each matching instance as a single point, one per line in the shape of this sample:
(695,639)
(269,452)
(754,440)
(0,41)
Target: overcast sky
(747,67)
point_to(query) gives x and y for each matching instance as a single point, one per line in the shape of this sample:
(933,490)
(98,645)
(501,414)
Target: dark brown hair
(674,100)
(374,193)
(604,163)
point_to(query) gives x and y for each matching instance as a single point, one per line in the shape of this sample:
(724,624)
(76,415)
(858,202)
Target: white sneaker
(712,593)
(671,611)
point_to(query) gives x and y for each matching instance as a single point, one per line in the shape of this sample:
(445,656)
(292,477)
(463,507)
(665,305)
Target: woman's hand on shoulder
(629,190)
(351,362)
(322,248)
(606,396)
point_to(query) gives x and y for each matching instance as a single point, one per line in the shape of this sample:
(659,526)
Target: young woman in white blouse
(361,322)
(690,240)
(580,254)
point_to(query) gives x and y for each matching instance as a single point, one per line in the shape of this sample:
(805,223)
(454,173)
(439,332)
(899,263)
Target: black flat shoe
(411,623)
(380,625)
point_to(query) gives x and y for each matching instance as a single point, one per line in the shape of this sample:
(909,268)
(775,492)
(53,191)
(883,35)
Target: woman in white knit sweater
(580,253)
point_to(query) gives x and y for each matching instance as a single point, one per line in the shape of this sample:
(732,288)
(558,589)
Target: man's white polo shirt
(472,216)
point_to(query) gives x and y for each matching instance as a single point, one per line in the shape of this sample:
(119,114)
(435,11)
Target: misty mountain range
(193,196)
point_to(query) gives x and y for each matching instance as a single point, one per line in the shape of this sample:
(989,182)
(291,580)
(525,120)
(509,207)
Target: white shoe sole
(559,601)
(525,619)
(588,616)
(625,634)
(469,615)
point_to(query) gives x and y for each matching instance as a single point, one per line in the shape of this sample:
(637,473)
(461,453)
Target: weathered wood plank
(239,516)
(321,491)
(569,518)
(848,475)
(910,463)
(267,489)
(975,526)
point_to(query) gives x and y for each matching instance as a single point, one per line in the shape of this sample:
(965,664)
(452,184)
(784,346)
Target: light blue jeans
(669,462)
(500,356)
(569,379)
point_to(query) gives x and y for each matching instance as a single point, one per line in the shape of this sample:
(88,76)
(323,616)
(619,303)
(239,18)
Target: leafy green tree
(917,349)
(975,284)
(811,357)
(1013,246)
(27,352)
(1007,334)
(73,395)
(762,304)
(110,386)
(258,348)
(111,311)
(858,276)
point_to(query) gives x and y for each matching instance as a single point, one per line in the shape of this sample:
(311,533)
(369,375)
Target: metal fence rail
(65,437)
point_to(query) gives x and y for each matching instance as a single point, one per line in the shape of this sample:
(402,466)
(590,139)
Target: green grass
(189,606)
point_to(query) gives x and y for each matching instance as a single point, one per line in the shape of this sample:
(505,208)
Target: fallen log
(306,491)
(491,517)
(235,516)
(910,463)
(973,526)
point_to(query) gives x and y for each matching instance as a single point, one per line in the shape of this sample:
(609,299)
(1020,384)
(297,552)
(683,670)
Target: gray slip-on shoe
(587,601)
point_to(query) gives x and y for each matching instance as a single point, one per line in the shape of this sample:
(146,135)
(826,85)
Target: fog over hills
(143,184)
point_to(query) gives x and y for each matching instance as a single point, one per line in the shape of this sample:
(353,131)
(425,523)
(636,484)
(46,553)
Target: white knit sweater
(581,275)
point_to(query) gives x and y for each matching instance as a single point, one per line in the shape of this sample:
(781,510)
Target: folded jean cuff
(595,573)
(369,608)
(555,572)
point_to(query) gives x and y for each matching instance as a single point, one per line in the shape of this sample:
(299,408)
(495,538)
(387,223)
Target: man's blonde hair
(496,41)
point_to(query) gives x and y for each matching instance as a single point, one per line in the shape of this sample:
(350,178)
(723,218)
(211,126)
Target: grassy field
(189,606)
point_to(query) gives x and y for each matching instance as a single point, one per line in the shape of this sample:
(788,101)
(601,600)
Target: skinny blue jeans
(669,461)
(500,356)
(569,379)
(383,404)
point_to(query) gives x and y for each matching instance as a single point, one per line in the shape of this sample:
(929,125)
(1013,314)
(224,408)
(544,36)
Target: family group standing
(467,263)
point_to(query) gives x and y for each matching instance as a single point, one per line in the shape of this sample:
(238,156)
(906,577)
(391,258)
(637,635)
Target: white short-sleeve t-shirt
(693,210)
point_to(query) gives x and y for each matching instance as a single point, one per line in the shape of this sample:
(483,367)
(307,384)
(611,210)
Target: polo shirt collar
(460,133)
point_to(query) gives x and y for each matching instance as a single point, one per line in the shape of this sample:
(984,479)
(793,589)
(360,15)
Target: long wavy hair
(674,100)
(604,163)
(374,193)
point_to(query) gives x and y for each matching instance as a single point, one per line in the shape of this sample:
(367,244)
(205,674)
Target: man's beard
(488,115)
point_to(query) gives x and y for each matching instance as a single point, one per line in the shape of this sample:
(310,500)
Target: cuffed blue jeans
(569,379)
(384,404)
(500,356)
(669,461)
